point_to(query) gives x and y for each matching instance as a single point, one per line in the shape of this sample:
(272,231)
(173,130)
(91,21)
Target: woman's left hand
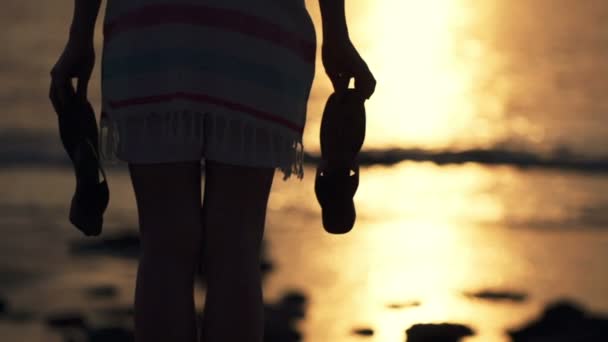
(76,61)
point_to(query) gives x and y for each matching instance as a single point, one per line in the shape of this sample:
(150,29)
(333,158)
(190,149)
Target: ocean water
(453,75)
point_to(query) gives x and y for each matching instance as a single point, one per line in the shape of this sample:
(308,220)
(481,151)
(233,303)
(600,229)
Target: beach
(437,235)
(483,196)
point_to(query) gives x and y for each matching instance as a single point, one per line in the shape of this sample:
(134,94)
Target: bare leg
(168,202)
(234,213)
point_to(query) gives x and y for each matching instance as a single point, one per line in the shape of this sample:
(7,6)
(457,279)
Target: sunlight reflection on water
(427,233)
(427,68)
(463,74)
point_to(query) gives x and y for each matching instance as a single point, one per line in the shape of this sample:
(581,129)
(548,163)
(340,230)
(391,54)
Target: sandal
(79,136)
(337,175)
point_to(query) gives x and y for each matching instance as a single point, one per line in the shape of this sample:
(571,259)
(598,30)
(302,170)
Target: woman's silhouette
(226,81)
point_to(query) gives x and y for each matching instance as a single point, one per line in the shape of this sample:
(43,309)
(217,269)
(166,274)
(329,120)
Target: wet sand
(457,245)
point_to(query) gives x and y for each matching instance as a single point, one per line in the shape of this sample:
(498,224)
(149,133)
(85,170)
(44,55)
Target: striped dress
(224,80)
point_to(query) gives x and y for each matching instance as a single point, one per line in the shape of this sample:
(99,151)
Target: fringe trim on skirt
(186,135)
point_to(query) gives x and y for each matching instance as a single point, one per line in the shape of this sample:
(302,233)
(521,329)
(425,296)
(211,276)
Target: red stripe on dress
(155,15)
(207,99)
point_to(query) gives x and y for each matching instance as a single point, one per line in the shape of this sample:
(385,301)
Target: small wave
(26,148)
(31,148)
(522,159)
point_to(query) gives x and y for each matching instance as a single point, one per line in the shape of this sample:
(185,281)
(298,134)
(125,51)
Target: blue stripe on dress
(202,60)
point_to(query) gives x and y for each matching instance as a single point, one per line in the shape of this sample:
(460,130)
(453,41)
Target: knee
(233,263)
(173,246)
(238,277)
(240,246)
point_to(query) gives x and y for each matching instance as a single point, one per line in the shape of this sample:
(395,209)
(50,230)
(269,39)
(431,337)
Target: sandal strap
(99,166)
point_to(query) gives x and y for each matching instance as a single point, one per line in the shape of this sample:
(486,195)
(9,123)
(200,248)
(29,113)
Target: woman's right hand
(342,62)
(76,61)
